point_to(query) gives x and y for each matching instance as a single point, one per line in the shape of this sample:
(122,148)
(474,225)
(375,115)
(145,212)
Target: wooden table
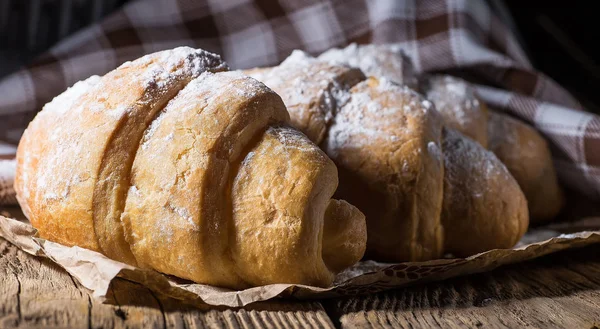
(557,291)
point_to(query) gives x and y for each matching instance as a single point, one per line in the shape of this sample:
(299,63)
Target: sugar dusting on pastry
(386,103)
(453,95)
(462,152)
(52,111)
(458,104)
(380,61)
(311,89)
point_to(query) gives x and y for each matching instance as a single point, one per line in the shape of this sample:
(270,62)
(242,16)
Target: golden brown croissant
(171,164)
(391,154)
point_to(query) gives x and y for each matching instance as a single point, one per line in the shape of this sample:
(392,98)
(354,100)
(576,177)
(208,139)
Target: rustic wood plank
(41,294)
(557,291)
(278,314)
(34,293)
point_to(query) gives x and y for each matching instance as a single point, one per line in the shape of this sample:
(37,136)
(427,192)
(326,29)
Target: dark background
(560,37)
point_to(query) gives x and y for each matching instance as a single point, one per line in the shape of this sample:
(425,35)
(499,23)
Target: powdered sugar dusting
(151,130)
(94,101)
(291,139)
(50,115)
(386,60)
(295,88)
(134,191)
(165,228)
(454,99)
(207,82)
(189,98)
(182,60)
(434,150)
(463,157)
(311,89)
(298,57)
(375,113)
(63,102)
(48,184)
(185,214)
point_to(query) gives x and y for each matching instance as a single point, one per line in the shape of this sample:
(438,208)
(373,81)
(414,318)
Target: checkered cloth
(458,36)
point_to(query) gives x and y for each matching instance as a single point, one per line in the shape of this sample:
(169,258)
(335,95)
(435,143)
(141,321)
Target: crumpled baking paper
(95,271)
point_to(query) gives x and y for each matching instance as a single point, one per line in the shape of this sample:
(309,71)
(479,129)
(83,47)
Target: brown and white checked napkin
(459,36)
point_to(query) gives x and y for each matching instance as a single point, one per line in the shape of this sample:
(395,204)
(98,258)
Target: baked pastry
(483,208)
(521,148)
(527,156)
(387,143)
(458,104)
(171,164)
(378,60)
(311,93)
(370,147)
(385,140)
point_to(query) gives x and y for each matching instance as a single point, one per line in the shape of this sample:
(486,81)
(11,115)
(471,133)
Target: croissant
(173,164)
(527,156)
(521,148)
(422,186)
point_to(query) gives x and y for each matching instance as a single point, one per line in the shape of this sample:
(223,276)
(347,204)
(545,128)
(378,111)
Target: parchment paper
(95,272)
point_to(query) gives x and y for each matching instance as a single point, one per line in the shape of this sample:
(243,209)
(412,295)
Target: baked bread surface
(483,208)
(313,90)
(527,156)
(377,60)
(387,143)
(459,105)
(171,164)
(520,147)
(82,167)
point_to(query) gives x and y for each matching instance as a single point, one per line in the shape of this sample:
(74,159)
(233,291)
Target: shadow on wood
(559,290)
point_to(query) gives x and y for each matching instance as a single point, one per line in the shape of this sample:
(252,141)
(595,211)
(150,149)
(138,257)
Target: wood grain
(557,291)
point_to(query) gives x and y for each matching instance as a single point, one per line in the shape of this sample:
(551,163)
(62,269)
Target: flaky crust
(483,208)
(178,159)
(458,104)
(527,156)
